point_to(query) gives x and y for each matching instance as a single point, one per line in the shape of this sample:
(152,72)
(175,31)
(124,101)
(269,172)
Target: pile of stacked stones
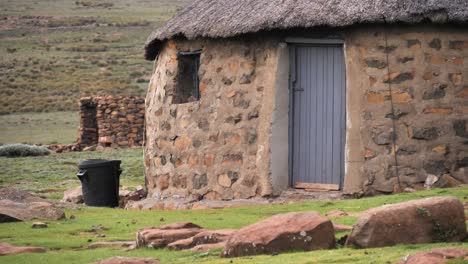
(118,121)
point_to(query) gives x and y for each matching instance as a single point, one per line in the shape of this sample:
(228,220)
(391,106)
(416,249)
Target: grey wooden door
(318,118)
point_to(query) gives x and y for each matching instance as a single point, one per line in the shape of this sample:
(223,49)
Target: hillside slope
(54,51)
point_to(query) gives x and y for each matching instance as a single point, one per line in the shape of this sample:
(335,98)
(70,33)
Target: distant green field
(50,175)
(39,128)
(55,51)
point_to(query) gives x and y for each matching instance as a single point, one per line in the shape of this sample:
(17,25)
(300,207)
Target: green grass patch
(39,128)
(53,52)
(69,245)
(50,175)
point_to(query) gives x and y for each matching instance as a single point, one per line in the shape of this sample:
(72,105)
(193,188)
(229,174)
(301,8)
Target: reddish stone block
(192,161)
(456,78)
(457,60)
(109,140)
(183,143)
(375,98)
(401,97)
(463,93)
(209,160)
(442,111)
(437,60)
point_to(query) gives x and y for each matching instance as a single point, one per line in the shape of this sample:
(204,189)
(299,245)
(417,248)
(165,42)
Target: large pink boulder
(435,256)
(18,205)
(283,232)
(13,211)
(413,222)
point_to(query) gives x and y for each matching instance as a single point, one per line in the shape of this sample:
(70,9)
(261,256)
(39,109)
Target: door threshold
(317,186)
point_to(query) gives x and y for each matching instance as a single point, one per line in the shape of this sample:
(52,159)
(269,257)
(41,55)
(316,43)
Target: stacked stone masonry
(427,74)
(220,146)
(212,148)
(112,121)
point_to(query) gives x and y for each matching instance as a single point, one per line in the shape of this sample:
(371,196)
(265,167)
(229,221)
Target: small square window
(188,82)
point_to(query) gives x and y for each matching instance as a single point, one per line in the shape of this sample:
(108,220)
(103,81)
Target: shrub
(22,150)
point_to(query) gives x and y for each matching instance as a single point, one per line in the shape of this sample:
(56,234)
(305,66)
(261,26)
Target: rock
(435,44)
(409,190)
(435,167)
(73,195)
(90,148)
(430,180)
(398,77)
(157,237)
(435,256)
(16,195)
(178,225)
(205,237)
(128,260)
(125,196)
(425,221)
(376,64)
(16,205)
(384,138)
(207,247)
(200,181)
(447,181)
(7,249)
(340,227)
(430,133)
(39,225)
(283,232)
(111,244)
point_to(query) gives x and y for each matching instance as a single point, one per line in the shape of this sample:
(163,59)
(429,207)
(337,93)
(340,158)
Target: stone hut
(249,98)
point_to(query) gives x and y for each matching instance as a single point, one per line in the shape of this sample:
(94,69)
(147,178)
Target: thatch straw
(227,18)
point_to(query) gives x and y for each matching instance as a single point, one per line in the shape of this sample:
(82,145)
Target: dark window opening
(188,82)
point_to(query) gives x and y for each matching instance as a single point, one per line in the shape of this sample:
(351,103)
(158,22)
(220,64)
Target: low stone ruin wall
(110,121)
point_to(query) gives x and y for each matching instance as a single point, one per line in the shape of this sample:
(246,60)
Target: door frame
(293,43)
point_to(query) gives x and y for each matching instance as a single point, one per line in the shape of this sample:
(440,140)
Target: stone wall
(423,71)
(112,121)
(213,148)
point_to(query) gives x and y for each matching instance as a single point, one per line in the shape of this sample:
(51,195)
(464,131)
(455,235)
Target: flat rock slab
(128,260)
(73,195)
(283,232)
(205,237)
(435,256)
(413,222)
(11,211)
(7,249)
(158,237)
(19,196)
(126,244)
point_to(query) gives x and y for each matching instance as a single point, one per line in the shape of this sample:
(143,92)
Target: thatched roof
(227,18)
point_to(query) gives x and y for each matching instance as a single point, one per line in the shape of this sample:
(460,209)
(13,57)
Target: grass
(50,175)
(68,245)
(53,52)
(43,128)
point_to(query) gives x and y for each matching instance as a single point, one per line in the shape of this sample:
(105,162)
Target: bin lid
(91,163)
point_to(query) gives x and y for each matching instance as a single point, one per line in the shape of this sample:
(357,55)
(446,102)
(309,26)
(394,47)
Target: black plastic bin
(100,182)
